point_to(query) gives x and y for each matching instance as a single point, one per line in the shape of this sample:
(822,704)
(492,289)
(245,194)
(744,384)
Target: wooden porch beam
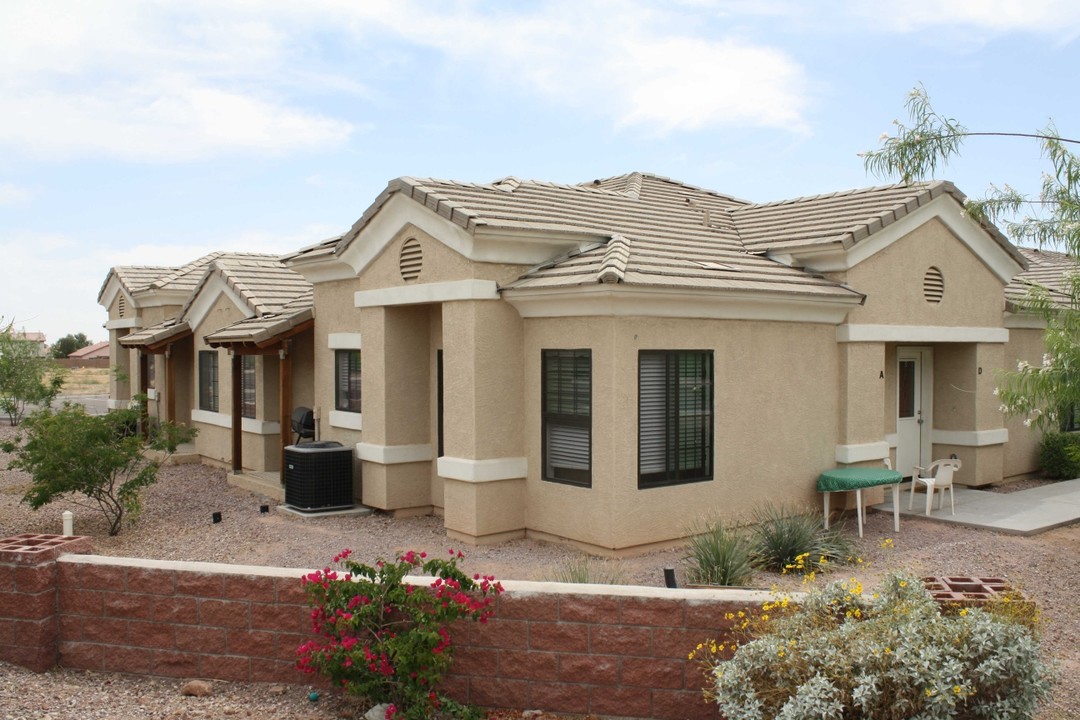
(237,416)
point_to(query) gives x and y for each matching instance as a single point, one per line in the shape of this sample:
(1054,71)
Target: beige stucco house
(602,363)
(222,344)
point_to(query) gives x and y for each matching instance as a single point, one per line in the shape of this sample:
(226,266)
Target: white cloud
(149,82)
(12,194)
(1050,17)
(662,71)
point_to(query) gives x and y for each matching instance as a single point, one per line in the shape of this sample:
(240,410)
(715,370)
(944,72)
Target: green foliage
(1059,455)
(719,556)
(785,539)
(387,640)
(583,569)
(1051,218)
(69,344)
(96,461)
(25,377)
(842,655)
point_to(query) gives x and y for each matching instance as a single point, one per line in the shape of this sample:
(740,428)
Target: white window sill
(346,420)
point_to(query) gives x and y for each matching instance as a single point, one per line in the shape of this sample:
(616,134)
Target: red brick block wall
(29,622)
(181,619)
(562,648)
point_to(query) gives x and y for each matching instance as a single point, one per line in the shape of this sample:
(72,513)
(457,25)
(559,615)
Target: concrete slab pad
(1024,512)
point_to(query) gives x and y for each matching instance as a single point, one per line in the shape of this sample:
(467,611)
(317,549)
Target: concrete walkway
(1024,512)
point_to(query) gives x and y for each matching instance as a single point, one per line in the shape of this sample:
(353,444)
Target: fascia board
(162,298)
(484,244)
(326,269)
(608,300)
(528,247)
(946,209)
(1024,321)
(204,301)
(112,288)
(396,213)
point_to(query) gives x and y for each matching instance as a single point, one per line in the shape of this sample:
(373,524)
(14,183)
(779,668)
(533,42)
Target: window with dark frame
(247,386)
(347,380)
(208,380)
(675,417)
(567,416)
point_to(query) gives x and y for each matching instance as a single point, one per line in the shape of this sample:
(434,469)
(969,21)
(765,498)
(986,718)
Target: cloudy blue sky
(136,132)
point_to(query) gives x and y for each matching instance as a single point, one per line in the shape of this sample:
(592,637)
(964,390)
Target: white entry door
(913,408)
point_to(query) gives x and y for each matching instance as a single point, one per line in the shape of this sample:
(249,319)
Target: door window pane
(906,381)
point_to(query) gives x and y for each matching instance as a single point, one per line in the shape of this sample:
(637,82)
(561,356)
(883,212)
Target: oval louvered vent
(412,259)
(933,286)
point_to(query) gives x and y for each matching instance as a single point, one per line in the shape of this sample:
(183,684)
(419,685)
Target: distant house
(36,338)
(602,363)
(96,351)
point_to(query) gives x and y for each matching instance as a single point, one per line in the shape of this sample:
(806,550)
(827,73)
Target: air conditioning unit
(318,476)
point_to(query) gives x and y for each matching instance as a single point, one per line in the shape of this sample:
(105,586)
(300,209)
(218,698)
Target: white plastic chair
(938,475)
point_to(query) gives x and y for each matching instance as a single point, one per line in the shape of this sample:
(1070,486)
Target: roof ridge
(923,186)
(638,177)
(613,265)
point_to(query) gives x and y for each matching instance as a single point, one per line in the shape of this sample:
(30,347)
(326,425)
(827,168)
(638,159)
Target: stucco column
(397,450)
(484,466)
(120,372)
(861,431)
(967,419)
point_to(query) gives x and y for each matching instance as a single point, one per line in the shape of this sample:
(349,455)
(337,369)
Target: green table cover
(853,478)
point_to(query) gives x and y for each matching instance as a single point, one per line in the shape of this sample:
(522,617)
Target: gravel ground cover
(176,525)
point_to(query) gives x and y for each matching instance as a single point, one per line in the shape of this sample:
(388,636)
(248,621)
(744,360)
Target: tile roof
(1047,268)
(90,351)
(187,277)
(651,230)
(266,328)
(171,329)
(134,278)
(262,282)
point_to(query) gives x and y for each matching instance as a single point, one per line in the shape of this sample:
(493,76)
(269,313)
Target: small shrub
(787,540)
(1059,455)
(98,461)
(386,640)
(842,655)
(583,569)
(719,556)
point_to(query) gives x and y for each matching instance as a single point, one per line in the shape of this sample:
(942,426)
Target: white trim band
(847,454)
(346,420)
(343,341)
(480,471)
(1024,321)
(625,300)
(122,323)
(211,418)
(258,427)
(253,426)
(394,454)
(920,334)
(970,438)
(428,293)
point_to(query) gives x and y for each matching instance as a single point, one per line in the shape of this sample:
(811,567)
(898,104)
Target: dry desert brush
(895,655)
